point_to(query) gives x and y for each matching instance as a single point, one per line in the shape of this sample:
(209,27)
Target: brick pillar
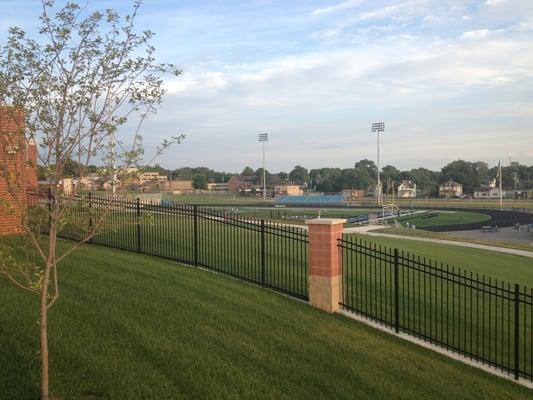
(325,263)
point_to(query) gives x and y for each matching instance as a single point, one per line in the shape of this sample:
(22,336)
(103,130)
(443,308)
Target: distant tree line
(362,176)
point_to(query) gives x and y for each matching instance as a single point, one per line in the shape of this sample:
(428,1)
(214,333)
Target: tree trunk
(43,326)
(43,322)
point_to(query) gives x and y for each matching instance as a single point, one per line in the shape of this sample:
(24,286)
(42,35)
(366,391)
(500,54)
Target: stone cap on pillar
(325,221)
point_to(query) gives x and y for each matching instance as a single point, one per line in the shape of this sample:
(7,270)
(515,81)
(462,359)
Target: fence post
(396,292)
(516,331)
(138,223)
(325,263)
(91,223)
(195,234)
(263,252)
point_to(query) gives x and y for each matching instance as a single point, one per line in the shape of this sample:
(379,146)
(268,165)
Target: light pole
(263,137)
(378,127)
(113,169)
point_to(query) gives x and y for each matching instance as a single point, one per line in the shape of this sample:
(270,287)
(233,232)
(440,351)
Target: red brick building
(18,169)
(242,183)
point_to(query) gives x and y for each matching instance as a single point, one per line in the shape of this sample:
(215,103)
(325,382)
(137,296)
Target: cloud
(337,7)
(209,82)
(305,100)
(524,26)
(492,3)
(477,34)
(326,34)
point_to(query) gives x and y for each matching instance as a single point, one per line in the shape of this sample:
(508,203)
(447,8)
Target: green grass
(218,199)
(461,203)
(131,326)
(236,251)
(443,236)
(230,246)
(440,303)
(296,215)
(507,267)
(443,218)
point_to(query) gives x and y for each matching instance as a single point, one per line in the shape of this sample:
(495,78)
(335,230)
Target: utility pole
(378,127)
(500,176)
(263,138)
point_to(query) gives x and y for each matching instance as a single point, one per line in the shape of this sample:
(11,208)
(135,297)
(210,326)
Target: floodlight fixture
(378,127)
(263,137)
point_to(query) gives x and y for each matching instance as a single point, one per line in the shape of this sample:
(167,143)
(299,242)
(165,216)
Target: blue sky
(451,78)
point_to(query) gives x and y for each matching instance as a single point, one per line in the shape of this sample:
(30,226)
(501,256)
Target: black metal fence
(488,320)
(265,253)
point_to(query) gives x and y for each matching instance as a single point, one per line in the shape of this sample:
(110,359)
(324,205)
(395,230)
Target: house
(149,177)
(450,189)
(18,169)
(353,194)
(288,190)
(65,185)
(217,187)
(407,190)
(91,182)
(490,191)
(108,185)
(178,187)
(242,184)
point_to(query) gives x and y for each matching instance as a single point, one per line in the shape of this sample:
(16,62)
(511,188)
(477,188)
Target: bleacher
(312,200)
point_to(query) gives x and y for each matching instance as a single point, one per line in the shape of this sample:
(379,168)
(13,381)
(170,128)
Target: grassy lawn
(443,236)
(218,199)
(297,215)
(507,267)
(443,218)
(131,326)
(464,203)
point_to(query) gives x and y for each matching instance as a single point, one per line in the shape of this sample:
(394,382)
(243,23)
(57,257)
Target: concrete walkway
(367,230)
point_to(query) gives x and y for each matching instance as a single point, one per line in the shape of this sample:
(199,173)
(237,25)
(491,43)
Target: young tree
(87,75)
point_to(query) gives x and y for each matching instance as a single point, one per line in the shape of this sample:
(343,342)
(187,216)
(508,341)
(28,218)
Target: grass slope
(129,327)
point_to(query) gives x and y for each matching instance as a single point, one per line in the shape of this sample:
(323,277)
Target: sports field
(461,203)
(218,199)
(298,215)
(441,218)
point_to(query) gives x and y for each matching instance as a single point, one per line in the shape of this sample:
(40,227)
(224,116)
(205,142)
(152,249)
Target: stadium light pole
(378,127)
(263,138)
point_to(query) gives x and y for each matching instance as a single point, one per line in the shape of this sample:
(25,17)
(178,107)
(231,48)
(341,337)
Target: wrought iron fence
(488,320)
(265,253)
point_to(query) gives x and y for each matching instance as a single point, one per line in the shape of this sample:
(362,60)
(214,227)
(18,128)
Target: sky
(452,79)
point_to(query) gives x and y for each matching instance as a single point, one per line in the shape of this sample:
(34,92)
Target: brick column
(325,263)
